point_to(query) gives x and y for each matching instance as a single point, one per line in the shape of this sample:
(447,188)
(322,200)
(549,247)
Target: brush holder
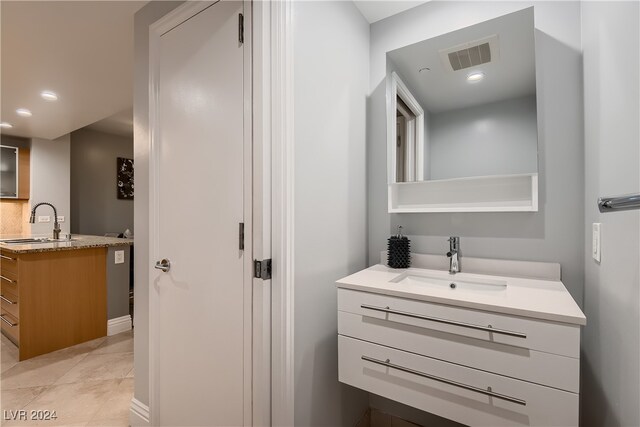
(399,252)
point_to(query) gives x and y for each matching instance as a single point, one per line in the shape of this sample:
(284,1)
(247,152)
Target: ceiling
(376,10)
(81,50)
(512,75)
(119,124)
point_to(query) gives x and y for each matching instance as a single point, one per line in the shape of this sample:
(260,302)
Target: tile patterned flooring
(90,384)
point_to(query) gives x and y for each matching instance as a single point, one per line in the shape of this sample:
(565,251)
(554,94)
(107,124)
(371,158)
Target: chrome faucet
(56,226)
(454,255)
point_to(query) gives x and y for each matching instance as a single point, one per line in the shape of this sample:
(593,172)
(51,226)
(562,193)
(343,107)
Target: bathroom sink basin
(452,283)
(33,240)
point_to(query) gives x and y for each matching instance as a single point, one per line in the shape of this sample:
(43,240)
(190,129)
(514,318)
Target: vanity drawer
(8,262)
(453,391)
(556,338)
(10,304)
(9,282)
(10,326)
(548,369)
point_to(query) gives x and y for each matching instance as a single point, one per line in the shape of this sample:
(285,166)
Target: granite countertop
(540,299)
(78,241)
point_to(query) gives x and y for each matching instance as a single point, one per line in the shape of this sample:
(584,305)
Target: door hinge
(262,269)
(241,28)
(241,236)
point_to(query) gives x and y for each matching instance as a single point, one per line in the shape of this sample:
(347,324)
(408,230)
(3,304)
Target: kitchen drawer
(531,365)
(10,326)
(453,391)
(9,283)
(10,304)
(556,338)
(8,262)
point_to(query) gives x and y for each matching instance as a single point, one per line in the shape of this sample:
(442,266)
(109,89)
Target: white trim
(415,151)
(261,84)
(282,134)
(138,414)
(118,324)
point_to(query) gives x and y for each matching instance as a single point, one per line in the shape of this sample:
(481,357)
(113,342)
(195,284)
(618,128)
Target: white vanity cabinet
(475,366)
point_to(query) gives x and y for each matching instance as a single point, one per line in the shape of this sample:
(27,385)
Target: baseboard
(138,414)
(119,324)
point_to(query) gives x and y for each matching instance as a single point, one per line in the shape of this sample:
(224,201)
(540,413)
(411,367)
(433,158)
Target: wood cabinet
(472,366)
(53,299)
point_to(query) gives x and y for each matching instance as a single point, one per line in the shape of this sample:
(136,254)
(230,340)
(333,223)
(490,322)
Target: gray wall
(95,208)
(118,283)
(50,181)
(556,232)
(331,66)
(610,347)
(499,138)
(143,18)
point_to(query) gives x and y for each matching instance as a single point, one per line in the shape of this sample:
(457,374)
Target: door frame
(275,34)
(171,20)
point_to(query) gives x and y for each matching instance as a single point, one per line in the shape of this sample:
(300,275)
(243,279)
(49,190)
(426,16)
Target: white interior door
(200,335)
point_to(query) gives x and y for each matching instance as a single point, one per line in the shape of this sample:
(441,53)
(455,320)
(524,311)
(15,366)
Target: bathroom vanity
(474,348)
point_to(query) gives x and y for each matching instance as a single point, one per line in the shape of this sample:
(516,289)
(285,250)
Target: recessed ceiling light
(47,95)
(5,125)
(475,77)
(23,112)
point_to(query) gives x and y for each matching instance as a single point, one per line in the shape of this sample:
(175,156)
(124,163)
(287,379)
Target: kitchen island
(54,294)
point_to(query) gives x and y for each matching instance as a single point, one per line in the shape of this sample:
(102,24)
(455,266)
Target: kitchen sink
(33,240)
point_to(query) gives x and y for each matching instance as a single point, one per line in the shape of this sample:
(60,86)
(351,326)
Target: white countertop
(540,299)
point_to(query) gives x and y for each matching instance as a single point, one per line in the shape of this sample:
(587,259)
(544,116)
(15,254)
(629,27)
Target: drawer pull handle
(7,279)
(7,257)
(487,392)
(8,322)
(448,322)
(3,298)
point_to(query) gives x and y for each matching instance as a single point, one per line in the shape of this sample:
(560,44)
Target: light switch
(44,218)
(595,241)
(60,218)
(119,257)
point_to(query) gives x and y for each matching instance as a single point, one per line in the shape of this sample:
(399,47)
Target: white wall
(611,340)
(146,16)
(331,73)
(556,232)
(499,138)
(50,181)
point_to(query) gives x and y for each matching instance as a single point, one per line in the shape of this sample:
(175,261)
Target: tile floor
(90,384)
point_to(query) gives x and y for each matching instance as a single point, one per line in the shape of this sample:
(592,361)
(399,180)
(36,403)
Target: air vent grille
(471,54)
(470,57)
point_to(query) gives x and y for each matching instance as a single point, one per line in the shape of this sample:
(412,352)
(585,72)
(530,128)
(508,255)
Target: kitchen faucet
(454,255)
(56,226)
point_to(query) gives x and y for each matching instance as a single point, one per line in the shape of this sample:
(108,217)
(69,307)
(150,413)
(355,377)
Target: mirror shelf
(499,193)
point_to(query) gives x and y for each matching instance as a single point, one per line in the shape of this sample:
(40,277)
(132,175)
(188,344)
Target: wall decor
(125,178)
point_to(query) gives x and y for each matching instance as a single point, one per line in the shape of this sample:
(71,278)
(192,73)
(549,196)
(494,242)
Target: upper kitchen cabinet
(14,172)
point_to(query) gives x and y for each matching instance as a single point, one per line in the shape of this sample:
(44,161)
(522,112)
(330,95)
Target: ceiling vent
(471,54)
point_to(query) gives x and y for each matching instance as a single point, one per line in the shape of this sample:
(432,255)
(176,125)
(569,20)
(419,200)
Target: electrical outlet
(119,257)
(60,218)
(44,218)
(596,238)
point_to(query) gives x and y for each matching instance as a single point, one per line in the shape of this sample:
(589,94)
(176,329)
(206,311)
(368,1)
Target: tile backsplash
(14,217)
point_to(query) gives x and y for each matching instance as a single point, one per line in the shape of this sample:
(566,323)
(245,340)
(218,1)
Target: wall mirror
(462,130)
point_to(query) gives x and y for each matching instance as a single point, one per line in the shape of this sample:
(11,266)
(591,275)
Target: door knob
(164,265)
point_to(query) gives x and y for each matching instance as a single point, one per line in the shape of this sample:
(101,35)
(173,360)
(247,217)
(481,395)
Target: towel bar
(620,203)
